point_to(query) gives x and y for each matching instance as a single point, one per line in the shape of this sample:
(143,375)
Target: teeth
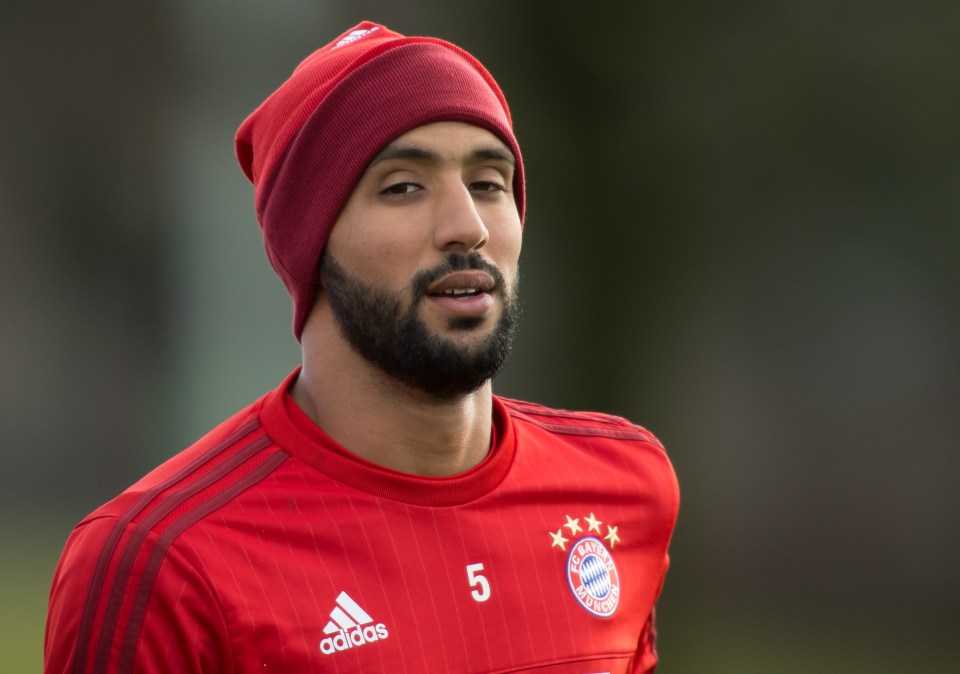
(458,291)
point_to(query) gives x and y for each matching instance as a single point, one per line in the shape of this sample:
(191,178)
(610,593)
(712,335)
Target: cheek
(378,253)
(506,244)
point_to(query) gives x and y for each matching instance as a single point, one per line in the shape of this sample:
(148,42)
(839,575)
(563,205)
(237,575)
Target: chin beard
(385,328)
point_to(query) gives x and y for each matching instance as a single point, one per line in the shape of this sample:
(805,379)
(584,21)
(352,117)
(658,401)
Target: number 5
(483,592)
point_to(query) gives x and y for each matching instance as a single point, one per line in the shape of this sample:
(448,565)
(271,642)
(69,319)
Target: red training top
(267,547)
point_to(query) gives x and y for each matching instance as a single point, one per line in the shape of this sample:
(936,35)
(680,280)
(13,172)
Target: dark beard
(388,332)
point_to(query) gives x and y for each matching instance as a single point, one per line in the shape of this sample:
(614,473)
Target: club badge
(591,572)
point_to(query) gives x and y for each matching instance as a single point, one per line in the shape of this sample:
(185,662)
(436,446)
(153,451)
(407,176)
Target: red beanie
(306,147)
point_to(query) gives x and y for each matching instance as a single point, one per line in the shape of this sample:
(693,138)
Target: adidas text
(358,636)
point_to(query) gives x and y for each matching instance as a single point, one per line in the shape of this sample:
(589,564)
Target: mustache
(454,262)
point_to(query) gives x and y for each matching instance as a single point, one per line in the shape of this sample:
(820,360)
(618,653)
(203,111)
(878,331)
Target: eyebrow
(417,153)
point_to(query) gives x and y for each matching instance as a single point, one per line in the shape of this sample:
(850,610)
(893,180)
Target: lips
(462,285)
(464,294)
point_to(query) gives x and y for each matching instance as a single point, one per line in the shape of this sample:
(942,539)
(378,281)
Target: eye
(399,189)
(487,186)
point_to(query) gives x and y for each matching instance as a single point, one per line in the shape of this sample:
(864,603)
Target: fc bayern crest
(593,576)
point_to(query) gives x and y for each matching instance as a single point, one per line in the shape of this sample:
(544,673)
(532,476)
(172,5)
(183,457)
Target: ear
(322,267)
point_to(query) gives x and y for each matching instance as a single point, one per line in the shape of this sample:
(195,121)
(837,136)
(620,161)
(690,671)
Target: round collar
(295,432)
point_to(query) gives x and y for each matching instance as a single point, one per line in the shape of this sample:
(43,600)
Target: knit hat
(306,147)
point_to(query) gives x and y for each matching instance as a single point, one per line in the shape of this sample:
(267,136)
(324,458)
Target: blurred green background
(742,233)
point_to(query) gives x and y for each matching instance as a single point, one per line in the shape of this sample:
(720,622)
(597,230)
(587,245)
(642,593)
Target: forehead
(448,140)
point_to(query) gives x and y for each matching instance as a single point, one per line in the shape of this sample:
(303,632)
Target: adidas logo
(353,37)
(349,626)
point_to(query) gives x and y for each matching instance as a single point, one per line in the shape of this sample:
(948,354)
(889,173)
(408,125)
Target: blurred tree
(83,188)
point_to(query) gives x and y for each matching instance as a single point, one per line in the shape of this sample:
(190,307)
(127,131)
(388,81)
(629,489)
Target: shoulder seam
(608,426)
(540,410)
(617,433)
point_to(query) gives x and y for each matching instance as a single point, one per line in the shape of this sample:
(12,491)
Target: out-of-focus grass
(30,553)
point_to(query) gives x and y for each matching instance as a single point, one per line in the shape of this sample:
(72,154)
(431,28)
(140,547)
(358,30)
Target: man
(381,510)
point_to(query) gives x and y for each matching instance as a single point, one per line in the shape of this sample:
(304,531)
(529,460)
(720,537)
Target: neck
(389,423)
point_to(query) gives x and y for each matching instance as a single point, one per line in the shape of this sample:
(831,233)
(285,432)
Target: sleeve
(645,659)
(123,605)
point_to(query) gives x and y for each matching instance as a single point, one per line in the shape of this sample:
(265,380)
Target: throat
(400,429)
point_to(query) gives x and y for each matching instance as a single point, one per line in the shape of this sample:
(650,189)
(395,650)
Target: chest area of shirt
(355,583)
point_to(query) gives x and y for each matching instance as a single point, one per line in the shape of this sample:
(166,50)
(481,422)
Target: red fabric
(236,555)
(307,145)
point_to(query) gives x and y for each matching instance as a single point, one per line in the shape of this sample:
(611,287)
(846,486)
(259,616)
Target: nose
(459,225)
